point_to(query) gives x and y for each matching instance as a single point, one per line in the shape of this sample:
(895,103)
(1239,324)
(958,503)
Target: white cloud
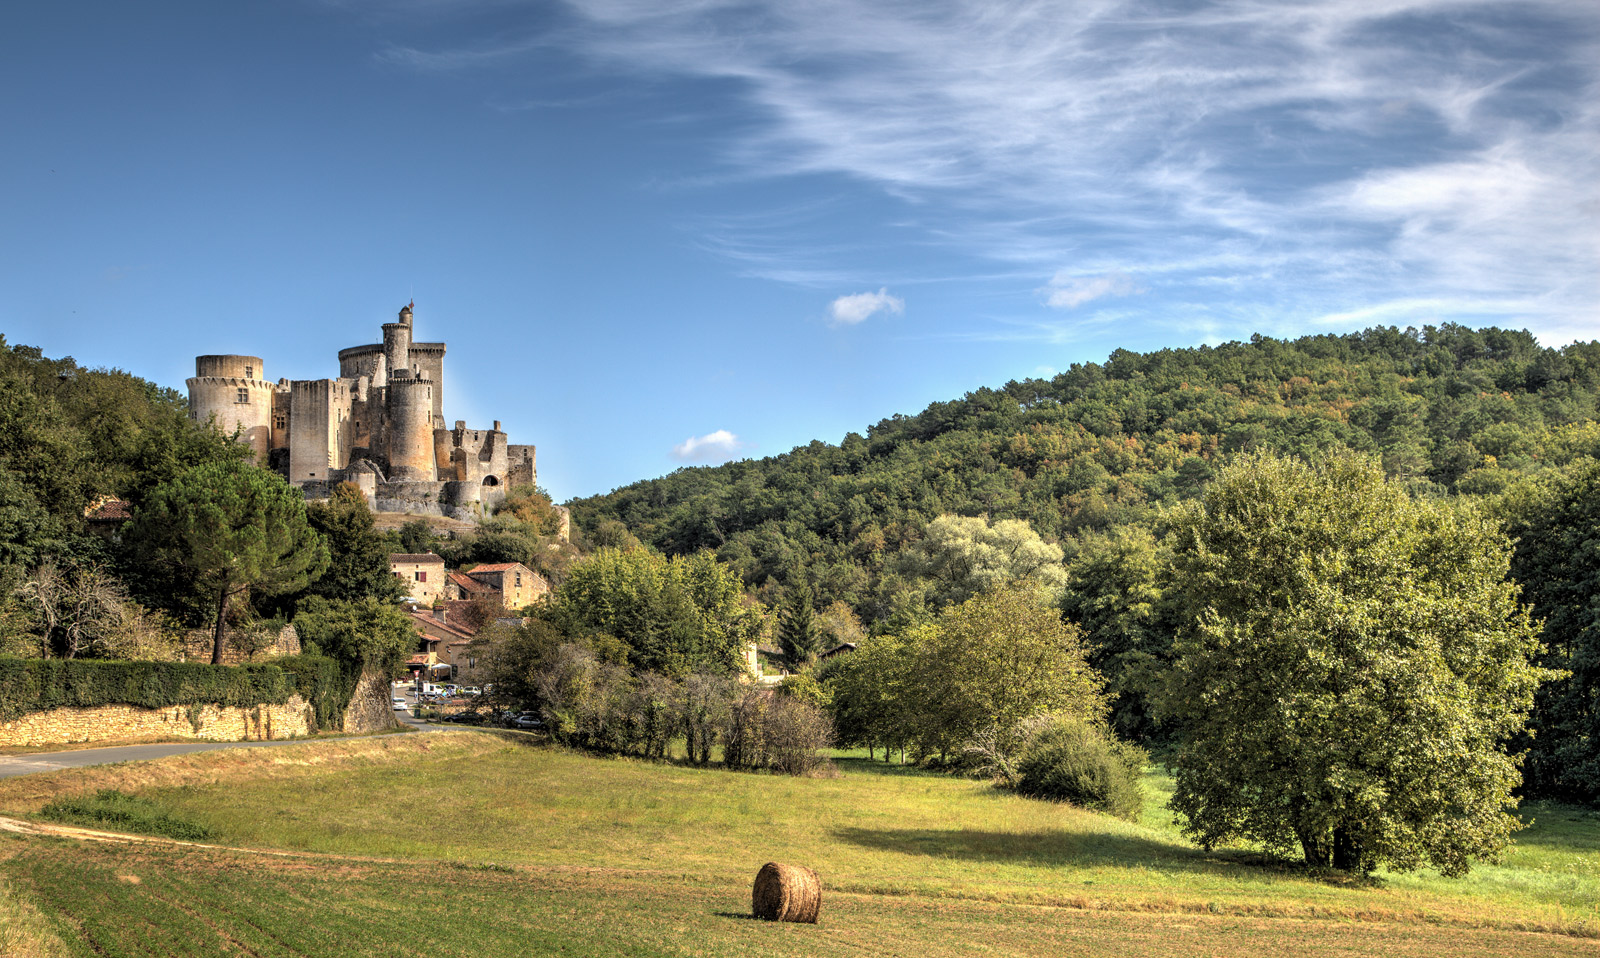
(857,307)
(1437,149)
(712,447)
(1070,292)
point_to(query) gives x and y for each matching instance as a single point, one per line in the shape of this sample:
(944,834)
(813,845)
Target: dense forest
(1448,409)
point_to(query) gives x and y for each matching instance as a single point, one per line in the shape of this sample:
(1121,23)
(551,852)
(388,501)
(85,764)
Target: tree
(798,632)
(964,556)
(226,527)
(995,661)
(362,634)
(1557,527)
(1350,662)
(358,564)
(675,616)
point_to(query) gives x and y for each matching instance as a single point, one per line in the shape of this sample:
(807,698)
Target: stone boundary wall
(371,708)
(116,723)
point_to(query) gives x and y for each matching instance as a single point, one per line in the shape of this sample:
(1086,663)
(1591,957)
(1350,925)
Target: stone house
(516,585)
(422,572)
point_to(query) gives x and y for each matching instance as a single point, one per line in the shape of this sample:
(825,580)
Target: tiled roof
(112,510)
(414,557)
(468,583)
(497,567)
(428,620)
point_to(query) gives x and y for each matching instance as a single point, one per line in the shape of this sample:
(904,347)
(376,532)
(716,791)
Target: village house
(423,574)
(515,585)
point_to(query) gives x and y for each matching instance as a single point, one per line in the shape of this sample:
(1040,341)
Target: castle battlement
(379,424)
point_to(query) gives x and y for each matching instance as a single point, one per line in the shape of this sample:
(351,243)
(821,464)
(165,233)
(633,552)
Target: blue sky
(656,234)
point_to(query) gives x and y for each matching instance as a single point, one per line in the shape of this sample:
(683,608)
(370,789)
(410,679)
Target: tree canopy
(1350,665)
(223,528)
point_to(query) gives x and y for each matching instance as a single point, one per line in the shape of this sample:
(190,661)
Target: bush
(38,685)
(1073,761)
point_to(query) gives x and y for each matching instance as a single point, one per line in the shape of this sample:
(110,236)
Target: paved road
(14,765)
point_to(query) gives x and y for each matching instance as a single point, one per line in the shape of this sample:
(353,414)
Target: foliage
(799,635)
(323,683)
(221,529)
(1557,561)
(1083,764)
(1351,663)
(111,808)
(358,566)
(1116,595)
(532,506)
(677,615)
(1105,444)
(84,610)
(37,685)
(994,662)
(783,733)
(961,556)
(360,635)
(981,672)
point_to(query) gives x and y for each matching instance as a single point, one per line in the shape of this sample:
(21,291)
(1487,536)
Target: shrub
(1072,761)
(38,685)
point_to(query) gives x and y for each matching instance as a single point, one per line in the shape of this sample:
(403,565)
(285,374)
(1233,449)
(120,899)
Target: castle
(380,425)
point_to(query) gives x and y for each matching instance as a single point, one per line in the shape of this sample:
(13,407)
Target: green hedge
(37,685)
(323,683)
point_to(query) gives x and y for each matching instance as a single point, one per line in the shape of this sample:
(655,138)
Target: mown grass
(502,836)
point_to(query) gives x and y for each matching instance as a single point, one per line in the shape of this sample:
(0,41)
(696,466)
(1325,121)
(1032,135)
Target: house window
(244,396)
(519,580)
(422,577)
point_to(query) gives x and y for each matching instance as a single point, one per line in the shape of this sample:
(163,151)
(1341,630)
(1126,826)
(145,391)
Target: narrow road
(14,765)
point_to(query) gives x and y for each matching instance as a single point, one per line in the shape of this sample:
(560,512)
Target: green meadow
(468,843)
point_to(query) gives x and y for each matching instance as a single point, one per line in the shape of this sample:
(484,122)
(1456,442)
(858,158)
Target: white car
(399,703)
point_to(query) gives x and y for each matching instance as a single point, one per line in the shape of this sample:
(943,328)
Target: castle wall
(233,390)
(522,466)
(320,440)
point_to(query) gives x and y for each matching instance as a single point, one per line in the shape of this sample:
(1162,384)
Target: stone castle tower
(380,424)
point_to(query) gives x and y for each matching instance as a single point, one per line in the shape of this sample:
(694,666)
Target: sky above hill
(658,233)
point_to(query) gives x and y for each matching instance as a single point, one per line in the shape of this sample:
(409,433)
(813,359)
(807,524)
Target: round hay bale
(786,893)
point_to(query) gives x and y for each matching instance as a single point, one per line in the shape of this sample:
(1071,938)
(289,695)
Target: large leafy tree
(676,615)
(358,565)
(1557,527)
(1351,662)
(223,528)
(964,555)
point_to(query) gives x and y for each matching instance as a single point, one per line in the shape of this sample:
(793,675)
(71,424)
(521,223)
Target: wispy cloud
(1435,149)
(716,446)
(858,307)
(1069,292)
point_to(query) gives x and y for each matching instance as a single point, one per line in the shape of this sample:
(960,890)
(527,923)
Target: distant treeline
(1449,410)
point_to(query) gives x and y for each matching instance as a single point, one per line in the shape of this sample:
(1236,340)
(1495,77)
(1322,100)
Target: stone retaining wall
(129,723)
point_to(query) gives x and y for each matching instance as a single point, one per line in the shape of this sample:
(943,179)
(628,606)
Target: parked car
(527,721)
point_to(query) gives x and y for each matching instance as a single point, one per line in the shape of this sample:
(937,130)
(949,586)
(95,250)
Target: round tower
(410,413)
(397,343)
(235,392)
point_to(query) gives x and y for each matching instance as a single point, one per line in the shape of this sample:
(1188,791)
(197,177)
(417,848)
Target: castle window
(244,396)
(249,372)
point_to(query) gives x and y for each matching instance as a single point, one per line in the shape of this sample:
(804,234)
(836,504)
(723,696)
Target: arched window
(490,481)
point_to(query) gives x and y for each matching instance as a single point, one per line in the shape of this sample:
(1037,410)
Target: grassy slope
(607,856)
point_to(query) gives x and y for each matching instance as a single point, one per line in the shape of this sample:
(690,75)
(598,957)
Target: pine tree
(799,635)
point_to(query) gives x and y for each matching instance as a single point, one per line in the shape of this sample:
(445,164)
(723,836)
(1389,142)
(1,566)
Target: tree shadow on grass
(857,765)
(1069,849)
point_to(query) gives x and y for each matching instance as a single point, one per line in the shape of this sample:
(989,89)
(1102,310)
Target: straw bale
(786,893)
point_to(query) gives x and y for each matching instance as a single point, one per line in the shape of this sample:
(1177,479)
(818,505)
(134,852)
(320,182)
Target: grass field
(468,844)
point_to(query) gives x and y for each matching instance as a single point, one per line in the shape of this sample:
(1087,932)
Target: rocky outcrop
(370,709)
